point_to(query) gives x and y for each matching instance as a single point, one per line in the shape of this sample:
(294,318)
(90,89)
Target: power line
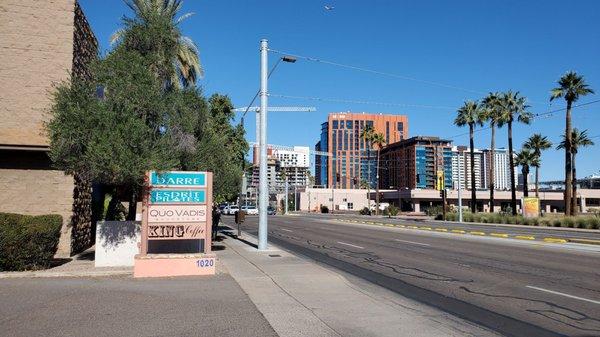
(408,78)
(538,115)
(340,100)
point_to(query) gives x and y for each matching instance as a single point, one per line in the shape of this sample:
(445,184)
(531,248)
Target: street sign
(531,207)
(170,196)
(440,181)
(178,178)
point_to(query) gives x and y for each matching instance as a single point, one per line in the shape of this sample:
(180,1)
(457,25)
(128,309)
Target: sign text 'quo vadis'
(176,232)
(184,179)
(176,213)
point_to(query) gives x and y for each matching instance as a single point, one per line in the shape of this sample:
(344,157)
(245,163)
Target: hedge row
(588,222)
(28,242)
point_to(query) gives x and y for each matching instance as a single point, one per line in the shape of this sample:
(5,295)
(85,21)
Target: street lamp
(263,185)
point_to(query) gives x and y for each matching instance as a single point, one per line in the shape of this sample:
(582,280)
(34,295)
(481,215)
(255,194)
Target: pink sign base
(167,265)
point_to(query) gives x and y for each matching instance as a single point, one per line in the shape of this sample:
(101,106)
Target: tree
(537,143)
(513,108)
(471,114)
(526,158)
(571,87)
(378,139)
(492,113)
(578,139)
(154,32)
(367,135)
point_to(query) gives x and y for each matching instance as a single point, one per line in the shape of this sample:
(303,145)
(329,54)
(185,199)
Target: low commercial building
(311,199)
(43,43)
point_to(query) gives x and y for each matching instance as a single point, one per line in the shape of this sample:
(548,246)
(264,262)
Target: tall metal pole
(286,196)
(459,190)
(263,186)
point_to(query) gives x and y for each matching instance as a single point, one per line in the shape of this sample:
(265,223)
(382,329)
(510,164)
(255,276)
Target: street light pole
(459,191)
(286,196)
(263,188)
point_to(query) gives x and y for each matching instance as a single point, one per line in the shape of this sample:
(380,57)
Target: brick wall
(36,51)
(36,192)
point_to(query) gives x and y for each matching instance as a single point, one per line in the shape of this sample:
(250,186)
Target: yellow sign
(440,181)
(531,207)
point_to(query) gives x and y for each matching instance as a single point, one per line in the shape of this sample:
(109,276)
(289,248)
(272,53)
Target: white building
(501,169)
(299,157)
(461,159)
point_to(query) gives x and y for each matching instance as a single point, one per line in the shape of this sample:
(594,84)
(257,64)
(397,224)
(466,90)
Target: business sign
(176,231)
(176,225)
(178,178)
(531,207)
(176,213)
(172,196)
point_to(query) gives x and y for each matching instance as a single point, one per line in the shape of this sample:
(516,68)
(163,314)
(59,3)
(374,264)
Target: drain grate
(274,255)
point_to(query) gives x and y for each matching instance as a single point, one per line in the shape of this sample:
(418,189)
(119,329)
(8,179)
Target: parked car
(250,210)
(231,209)
(271,211)
(222,208)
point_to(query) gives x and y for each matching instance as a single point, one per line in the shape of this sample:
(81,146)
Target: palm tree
(378,140)
(492,113)
(367,135)
(513,107)
(470,114)
(571,87)
(578,139)
(154,30)
(537,143)
(526,158)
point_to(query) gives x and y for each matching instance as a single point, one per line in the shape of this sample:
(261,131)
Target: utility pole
(263,188)
(459,191)
(285,210)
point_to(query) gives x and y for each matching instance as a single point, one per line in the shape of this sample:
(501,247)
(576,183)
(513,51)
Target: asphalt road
(516,287)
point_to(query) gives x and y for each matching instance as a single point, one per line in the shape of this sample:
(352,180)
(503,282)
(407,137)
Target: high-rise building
(501,169)
(43,43)
(461,159)
(292,164)
(415,162)
(353,161)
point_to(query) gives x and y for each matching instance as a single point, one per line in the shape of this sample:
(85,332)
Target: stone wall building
(43,43)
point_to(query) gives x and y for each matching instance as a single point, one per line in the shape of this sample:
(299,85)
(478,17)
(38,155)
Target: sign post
(176,225)
(531,207)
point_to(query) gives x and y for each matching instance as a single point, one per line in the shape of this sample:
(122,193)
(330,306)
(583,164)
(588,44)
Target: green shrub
(468,217)
(392,210)
(580,222)
(557,222)
(536,221)
(364,211)
(451,216)
(527,222)
(593,223)
(324,209)
(28,242)
(568,222)
(433,210)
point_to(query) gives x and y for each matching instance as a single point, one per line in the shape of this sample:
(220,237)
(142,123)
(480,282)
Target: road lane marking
(554,240)
(426,228)
(351,245)
(412,227)
(458,231)
(499,235)
(287,230)
(524,237)
(477,233)
(563,294)
(414,243)
(441,229)
(401,226)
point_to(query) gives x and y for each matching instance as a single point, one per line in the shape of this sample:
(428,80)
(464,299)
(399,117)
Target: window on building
(400,126)
(387,132)
(370,123)
(350,205)
(348,124)
(335,124)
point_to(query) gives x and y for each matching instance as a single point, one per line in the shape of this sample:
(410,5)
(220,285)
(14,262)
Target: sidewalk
(302,298)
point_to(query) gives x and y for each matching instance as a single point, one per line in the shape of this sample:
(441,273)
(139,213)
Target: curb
(43,274)
(584,241)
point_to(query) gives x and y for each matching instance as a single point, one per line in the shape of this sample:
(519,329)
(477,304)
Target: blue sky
(476,45)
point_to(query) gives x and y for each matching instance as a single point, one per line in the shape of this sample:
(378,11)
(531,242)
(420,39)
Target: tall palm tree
(537,143)
(514,108)
(571,87)
(470,114)
(526,158)
(377,140)
(367,135)
(492,114)
(154,30)
(578,139)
